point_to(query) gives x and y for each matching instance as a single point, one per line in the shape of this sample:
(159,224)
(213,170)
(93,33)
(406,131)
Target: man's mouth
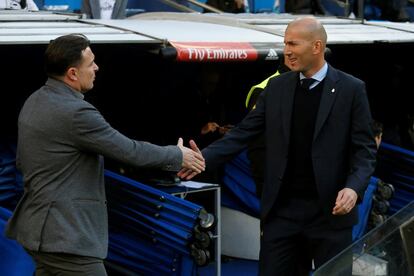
(292,60)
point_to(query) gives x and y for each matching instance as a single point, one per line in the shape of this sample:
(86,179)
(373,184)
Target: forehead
(87,55)
(87,52)
(296,33)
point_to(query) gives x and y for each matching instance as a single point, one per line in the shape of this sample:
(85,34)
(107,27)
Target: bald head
(305,43)
(311,27)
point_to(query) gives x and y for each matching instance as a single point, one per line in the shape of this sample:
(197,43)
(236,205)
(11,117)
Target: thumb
(180,142)
(194,146)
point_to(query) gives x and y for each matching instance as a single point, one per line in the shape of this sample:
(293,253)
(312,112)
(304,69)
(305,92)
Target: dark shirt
(299,177)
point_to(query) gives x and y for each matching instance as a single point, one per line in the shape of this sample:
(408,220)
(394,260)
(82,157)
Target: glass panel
(380,252)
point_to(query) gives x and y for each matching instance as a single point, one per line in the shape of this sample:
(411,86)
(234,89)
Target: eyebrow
(291,41)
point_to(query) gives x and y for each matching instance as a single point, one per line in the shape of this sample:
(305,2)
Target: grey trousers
(61,264)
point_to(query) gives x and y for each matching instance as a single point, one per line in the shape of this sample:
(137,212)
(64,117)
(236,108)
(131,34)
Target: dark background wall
(150,98)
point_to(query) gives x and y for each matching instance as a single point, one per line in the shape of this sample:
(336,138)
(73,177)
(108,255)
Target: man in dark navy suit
(320,154)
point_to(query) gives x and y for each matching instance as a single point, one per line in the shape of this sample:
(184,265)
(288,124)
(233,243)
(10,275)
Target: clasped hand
(193,160)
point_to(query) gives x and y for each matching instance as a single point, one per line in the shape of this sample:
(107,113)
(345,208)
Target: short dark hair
(64,52)
(377,128)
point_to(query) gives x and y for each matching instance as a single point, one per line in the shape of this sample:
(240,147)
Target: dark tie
(306,83)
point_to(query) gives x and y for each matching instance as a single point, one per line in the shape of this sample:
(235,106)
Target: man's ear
(72,74)
(317,46)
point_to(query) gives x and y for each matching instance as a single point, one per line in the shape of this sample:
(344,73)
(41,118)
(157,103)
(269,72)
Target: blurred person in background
(104,9)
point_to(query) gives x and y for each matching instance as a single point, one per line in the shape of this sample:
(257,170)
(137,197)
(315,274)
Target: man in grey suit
(61,219)
(320,154)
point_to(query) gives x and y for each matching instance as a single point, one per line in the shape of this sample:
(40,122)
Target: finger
(348,202)
(198,166)
(341,203)
(194,155)
(198,157)
(185,173)
(182,172)
(338,208)
(340,196)
(194,146)
(184,176)
(191,175)
(180,142)
(335,210)
(339,211)
(196,169)
(342,209)
(195,165)
(201,162)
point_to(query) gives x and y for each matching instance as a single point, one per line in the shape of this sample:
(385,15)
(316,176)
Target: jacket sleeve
(363,147)
(91,133)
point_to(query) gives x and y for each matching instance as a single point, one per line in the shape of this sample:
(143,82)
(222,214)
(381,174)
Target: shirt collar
(318,76)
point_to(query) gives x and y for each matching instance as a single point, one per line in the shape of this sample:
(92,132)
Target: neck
(314,69)
(72,84)
(68,82)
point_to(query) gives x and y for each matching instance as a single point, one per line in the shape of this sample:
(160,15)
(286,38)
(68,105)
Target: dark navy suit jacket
(343,147)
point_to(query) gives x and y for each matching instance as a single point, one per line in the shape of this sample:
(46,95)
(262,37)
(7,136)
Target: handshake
(193,161)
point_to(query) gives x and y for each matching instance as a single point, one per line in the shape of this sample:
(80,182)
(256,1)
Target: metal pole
(361,7)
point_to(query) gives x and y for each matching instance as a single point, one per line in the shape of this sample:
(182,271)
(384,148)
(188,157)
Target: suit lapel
(288,97)
(329,93)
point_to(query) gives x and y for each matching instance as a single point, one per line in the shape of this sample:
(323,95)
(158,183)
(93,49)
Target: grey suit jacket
(92,9)
(61,141)
(343,146)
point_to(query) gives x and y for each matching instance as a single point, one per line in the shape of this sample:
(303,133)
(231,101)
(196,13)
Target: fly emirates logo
(216,54)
